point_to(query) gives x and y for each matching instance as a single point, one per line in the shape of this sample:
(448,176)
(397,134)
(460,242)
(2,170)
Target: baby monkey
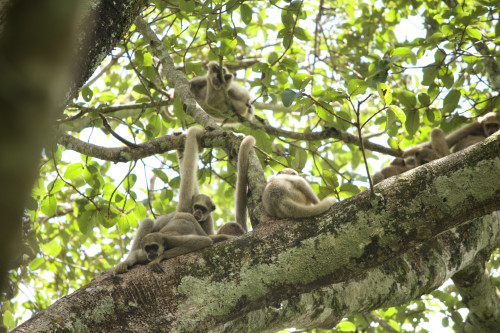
(210,92)
(287,195)
(179,236)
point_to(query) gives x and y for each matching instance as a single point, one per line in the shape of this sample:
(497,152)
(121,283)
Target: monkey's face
(490,128)
(201,212)
(152,247)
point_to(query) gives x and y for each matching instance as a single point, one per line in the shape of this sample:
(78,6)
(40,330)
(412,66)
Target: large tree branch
(480,295)
(363,254)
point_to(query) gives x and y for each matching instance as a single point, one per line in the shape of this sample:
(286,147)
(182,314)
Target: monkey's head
(490,123)
(417,157)
(203,206)
(214,72)
(398,161)
(288,171)
(152,245)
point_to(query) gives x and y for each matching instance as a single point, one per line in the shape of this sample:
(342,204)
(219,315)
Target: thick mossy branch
(363,254)
(480,295)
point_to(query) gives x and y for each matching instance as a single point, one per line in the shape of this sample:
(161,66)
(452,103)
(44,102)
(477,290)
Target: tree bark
(363,254)
(46,55)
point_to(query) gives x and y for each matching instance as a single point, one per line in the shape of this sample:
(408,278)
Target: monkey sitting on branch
(191,201)
(219,95)
(287,195)
(181,235)
(417,156)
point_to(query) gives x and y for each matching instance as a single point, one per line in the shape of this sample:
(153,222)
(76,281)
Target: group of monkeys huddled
(441,145)
(191,227)
(286,195)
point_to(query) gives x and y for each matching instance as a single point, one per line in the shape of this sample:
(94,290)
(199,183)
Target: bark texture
(46,55)
(365,253)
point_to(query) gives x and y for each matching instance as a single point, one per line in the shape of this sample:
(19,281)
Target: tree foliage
(324,74)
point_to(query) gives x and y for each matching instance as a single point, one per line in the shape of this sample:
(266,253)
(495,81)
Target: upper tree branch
(359,256)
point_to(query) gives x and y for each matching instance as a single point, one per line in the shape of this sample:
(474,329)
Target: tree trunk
(46,55)
(363,254)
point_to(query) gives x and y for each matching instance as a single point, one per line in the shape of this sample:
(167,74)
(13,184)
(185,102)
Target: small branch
(113,133)
(371,317)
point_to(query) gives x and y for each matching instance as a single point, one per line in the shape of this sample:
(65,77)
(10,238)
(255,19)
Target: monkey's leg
(136,254)
(221,237)
(179,245)
(438,143)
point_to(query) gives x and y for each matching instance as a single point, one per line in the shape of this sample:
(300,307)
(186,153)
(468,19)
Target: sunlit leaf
(385,93)
(451,100)
(473,33)
(49,205)
(289,95)
(73,170)
(52,248)
(246,13)
(356,87)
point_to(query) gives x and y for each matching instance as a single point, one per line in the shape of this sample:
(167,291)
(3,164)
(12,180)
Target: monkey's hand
(120,268)
(155,265)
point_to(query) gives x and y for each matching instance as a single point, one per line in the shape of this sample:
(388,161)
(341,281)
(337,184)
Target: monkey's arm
(438,143)
(179,245)
(136,255)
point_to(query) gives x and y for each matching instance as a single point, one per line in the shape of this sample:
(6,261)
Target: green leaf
(246,13)
(179,109)
(87,93)
(55,186)
(473,33)
(405,52)
(412,122)
(187,6)
(49,205)
(289,95)
(346,326)
(451,100)
(407,99)
(129,182)
(385,93)
(398,112)
(86,222)
(52,248)
(300,159)
(324,114)
(356,87)
(8,319)
(429,75)
(102,220)
(162,175)
(73,170)
(36,263)
(301,34)
(148,60)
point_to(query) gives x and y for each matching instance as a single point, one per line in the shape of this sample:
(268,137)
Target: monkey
(474,132)
(416,156)
(181,235)
(240,227)
(289,195)
(190,201)
(210,93)
(396,167)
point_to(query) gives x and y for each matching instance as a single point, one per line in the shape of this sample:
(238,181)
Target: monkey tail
(189,167)
(290,208)
(242,182)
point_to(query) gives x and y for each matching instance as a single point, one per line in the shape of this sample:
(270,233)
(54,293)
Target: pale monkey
(210,93)
(287,195)
(190,200)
